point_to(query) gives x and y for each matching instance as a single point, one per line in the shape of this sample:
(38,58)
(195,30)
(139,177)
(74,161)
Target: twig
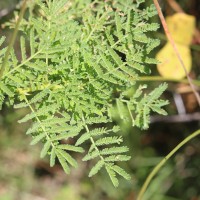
(171,40)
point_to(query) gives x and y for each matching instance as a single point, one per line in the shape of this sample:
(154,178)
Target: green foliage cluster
(78,59)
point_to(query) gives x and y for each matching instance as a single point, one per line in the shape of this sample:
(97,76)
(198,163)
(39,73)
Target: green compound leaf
(77,62)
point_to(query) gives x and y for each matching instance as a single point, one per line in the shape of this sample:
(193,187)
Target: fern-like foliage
(75,55)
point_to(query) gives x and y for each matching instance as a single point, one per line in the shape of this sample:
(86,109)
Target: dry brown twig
(171,40)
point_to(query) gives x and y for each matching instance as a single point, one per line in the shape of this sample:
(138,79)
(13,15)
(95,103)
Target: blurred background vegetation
(24,176)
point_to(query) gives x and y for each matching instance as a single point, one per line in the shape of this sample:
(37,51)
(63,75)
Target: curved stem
(12,41)
(163,161)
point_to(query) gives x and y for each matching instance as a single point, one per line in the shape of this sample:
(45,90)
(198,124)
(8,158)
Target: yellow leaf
(182,27)
(170,66)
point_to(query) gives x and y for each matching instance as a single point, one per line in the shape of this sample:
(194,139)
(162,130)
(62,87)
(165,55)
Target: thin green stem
(13,38)
(38,120)
(163,161)
(91,139)
(20,65)
(160,78)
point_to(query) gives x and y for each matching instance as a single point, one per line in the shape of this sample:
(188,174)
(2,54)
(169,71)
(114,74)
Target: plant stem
(163,161)
(91,139)
(13,38)
(38,120)
(171,40)
(23,63)
(160,78)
